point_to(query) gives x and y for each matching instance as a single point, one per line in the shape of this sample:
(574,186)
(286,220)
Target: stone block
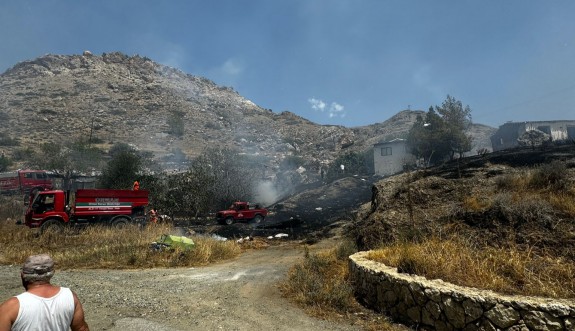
(454,312)
(503,316)
(538,320)
(473,310)
(406,296)
(518,327)
(433,294)
(486,325)
(433,308)
(390,298)
(443,326)
(414,313)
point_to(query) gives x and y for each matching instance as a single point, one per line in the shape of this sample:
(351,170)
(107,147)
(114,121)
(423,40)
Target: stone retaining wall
(437,305)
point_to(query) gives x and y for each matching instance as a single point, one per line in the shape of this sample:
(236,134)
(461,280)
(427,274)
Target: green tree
(427,138)
(458,119)
(123,169)
(166,192)
(191,192)
(234,175)
(442,133)
(215,178)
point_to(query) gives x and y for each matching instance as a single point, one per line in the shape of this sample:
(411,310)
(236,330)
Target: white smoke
(266,193)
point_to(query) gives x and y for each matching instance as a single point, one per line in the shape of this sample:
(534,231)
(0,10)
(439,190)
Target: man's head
(38,268)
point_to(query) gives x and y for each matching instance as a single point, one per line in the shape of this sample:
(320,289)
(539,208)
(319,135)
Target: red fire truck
(56,209)
(24,181)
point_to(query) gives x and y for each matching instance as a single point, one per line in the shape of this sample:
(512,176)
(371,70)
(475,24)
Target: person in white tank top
(43,307)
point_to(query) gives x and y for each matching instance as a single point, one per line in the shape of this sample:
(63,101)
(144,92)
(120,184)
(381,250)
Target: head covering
(38,265)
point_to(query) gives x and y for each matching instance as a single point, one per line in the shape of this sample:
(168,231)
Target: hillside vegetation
(513,213)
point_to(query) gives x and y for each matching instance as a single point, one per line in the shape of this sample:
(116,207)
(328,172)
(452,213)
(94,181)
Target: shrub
(6,140)
(475,204)
(508,182)
(552,176)
(563,202)
(5,163)
(213,126)
(23,154)
(524,208)
(321,280)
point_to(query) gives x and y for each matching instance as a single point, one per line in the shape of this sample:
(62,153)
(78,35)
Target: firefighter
(136,186)
(153,215)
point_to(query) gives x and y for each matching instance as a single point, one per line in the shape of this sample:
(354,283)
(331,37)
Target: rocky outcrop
(437,305)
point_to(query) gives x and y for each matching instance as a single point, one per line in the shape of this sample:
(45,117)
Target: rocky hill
(118,98)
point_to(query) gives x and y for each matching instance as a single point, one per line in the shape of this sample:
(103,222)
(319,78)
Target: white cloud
(334,109)
(317,104)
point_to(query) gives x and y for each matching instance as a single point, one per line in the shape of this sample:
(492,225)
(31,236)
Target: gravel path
(235,295)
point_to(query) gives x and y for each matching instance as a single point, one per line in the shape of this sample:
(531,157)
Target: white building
(391,157)
(508,134)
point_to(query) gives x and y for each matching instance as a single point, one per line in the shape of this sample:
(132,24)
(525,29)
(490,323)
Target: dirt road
(236,295)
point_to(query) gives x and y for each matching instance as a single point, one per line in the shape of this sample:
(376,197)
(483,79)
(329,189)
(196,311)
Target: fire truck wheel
(54,226)
(120,222)
(258,219)
(229,220)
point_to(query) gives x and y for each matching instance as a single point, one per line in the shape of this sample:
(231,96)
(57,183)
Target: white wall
(386,165)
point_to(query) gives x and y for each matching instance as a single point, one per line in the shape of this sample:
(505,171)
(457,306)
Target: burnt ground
(308,215)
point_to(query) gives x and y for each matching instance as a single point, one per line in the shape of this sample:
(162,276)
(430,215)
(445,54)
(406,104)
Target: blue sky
(343,62)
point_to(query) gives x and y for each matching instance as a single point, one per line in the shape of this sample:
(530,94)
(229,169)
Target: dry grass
(106,247)
(475,204)
(320,284)
(563,201)
(509,270)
